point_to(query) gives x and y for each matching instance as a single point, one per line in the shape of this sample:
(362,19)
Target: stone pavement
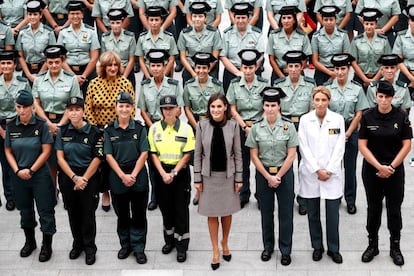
(245,242)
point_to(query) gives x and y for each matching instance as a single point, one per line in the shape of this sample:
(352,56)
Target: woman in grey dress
(218,179)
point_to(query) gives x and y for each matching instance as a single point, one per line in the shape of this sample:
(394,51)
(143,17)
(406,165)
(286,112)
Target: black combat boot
(30,244)
(395,252)
(371,251)
(46,250)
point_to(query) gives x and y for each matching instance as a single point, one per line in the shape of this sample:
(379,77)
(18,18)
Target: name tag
(333,131)
(180,139)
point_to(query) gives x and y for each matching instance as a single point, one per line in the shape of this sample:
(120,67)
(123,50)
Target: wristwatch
(174,172)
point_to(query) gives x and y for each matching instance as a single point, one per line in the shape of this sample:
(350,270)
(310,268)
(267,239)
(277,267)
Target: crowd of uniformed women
(67,121)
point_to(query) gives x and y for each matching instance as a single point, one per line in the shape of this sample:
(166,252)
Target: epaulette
(39,119)
(28,26)
(382,36)
(3,22)
(258,121)
(228,29)
(143,33)
(299,31)
(23,79)
(401,83)
(279,80)
(317,32)
(276,31)
(188,29)
(167,33)
(211,28)
(67,26)
(236,79)
(329,82)
(359,36)
(190,80)
(106,33)
(342,30)
(172,81)
(139,122)
(42,74)
(257,30)
(109,124)
(356,83)
(309,79)
(146,81)
(68,73)
(216,81)
(259,78)
(286,119)
(44,26)
(129,33)
(403,32)
(89,27)
(373,84)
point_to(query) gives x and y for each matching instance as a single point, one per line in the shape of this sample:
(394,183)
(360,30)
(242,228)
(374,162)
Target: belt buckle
(273,169)
(34,66)
(201,117)
(295,119)
(52,116)
(60,16)
(248,123)
(75,68)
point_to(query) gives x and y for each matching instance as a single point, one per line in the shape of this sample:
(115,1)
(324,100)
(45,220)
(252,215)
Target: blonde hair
(323,90)
(105,60)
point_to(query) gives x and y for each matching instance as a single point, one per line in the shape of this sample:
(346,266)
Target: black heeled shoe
(227,258)
(215,266)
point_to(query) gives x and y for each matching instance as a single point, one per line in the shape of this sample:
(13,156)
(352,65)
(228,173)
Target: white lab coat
(321,147)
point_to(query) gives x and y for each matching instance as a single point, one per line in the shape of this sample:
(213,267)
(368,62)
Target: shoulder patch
(211,28)
(168,33)
(143,33)
(190,80)
(23,79)
(129,33)
(146,81)
(286,119)
(308,79)
(188,29)
(279,80)
(68,73)
(373,84)
(328,83)
(356,83)
(257,30)
(228,29)
(216,81)
(237,79)
(172,81)
(88,26)
(106,33)
(262,79)
(401,83)
(275,31)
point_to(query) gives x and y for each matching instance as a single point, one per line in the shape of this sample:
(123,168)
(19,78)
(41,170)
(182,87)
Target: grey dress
(219,197)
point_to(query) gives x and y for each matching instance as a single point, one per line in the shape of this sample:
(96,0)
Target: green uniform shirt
(328,46)
(146,42)
(124,46)
(12,11)
(33,44)
(233,43)
(55,95)
(150,95)
(275,6)
(6,35)
(247,100)
(344,5)
(278,44)
(404,46)
(255,3)
(166,4)
(401,98)
(102,7)
(57,6)
(387,7)
(368,52)
(298,101)
(216,8)
(26,140)
(272,143)
(78,44)
(80,146)
(347,101)
(197,98)
(208,41)
(8,95)
(126,145)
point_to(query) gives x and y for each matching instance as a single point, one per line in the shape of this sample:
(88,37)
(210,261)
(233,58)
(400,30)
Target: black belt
(35,67)
(59,16)
(199,117)
(272,170)
(293,118)
(53,116)
(78,69)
